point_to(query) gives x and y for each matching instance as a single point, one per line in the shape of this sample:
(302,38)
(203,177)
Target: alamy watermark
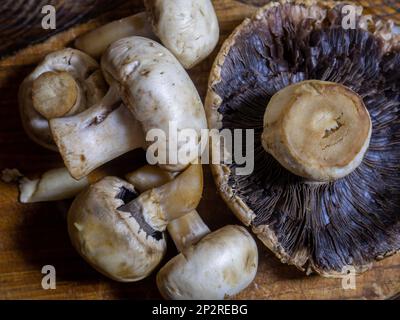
(49,21)
(350,14)
(49,280)
(184,146)
(349,275)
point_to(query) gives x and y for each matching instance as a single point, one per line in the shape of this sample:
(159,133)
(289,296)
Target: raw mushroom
(325,197)
(96,41)
(188,28)
(158,91)
(119,232)
(211,265)
(160,94)
(65,83)
(53,185)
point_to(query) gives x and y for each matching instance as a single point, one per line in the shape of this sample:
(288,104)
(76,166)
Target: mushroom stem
(148,177)
(187,230)
(97,135)
(182,194)
(317,130)
(170,201)
(96,41)
(56,184)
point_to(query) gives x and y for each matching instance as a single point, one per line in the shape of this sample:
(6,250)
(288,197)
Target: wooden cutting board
(35,235)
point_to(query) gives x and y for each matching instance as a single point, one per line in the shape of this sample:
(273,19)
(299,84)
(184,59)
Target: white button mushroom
(211,265)
(221,264)
(188,28)
(159,92)
(65,83)
(119,232)
(117,244)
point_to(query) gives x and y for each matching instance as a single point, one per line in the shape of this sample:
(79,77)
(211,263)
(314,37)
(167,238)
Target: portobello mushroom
(319,205)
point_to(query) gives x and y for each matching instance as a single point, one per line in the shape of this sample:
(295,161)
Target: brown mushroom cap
(351,221)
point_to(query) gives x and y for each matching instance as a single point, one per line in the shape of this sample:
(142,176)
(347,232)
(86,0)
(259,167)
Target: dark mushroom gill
(130,206)
(352,221)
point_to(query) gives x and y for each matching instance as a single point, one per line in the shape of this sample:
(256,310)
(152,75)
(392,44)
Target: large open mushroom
(325,191)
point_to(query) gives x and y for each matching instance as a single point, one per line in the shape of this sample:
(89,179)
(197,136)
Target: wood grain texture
(35,235)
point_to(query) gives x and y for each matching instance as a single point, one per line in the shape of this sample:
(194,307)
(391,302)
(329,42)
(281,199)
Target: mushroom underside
(323,227)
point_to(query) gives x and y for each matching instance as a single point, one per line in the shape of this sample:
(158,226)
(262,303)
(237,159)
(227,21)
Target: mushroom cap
(221,264)
(114,242)
(160,94)
(90,84)
(188,28)
(350,222)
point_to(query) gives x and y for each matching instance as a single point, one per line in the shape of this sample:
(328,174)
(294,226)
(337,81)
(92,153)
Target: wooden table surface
(35,235)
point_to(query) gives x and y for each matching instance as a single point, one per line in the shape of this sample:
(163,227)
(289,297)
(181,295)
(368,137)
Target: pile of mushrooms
(92,114)
(325,192)
(324,103)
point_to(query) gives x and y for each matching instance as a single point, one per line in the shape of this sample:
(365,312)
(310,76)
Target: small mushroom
(188,28)
(159,93)
(211,265)
(119,232)
(96,41)
(65,83)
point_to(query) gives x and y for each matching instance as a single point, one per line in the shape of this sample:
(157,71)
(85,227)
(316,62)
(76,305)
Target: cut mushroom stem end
(317,130)
(54,94)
